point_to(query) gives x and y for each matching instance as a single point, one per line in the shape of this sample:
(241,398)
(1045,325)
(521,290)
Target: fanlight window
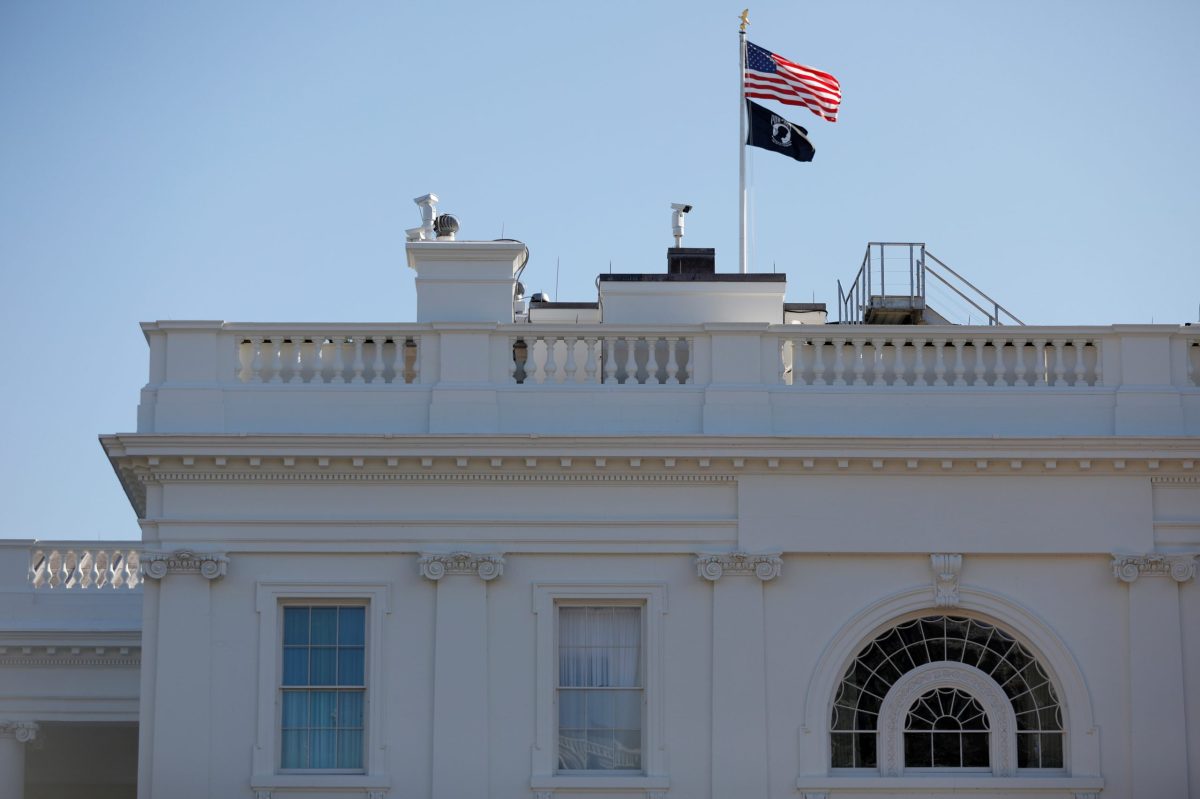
(933,639)
(946,728)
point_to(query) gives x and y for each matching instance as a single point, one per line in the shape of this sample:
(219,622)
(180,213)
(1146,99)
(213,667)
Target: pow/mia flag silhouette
(770,131)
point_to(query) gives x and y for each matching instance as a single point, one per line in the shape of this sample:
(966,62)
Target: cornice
(17,651)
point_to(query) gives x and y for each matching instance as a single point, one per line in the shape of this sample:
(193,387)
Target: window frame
(652,599)
(271,599)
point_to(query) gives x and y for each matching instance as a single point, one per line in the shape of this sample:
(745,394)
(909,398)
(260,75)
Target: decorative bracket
(714,565)
(946,569)
(210,565)
(435,566)
(24,731)
(1179,568)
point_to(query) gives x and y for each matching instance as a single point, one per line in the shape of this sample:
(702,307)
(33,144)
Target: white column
(1158,730)
(739,681)
(460,697)
(183,682)
(13,737)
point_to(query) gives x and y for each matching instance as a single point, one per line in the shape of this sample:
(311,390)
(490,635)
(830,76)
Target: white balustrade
(541,358)
(84,568)
(358,358)
(992,360)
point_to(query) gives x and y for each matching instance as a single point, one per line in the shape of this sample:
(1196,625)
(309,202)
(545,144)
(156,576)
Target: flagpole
(742,138)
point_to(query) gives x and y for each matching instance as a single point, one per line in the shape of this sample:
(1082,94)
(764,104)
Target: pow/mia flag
(770,131)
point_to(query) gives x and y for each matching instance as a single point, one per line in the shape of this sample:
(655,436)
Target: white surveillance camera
(684,207)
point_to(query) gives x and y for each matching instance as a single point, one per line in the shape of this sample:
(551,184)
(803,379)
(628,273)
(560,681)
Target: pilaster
(1158,730)
(13,737)
(182,678)
(739,700)
(460,697)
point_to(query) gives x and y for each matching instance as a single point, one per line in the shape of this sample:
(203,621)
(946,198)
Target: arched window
(946,728)
(974,646)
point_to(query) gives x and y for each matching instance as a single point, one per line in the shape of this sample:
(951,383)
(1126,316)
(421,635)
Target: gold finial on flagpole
(745,18)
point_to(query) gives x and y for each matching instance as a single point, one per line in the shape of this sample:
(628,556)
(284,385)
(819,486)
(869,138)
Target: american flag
(773,77)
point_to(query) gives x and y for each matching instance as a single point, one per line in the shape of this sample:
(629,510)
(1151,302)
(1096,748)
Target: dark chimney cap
(691,261)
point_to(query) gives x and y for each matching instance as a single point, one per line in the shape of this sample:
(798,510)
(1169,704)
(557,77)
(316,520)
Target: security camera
(678,209)
(685,208)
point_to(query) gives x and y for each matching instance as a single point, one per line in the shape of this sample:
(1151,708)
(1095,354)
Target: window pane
(295,709)
(324,626)
(350,666)
(323,748)
(295,625)
(350,709)
(843,750)
(322,708)
(627,710)
(295,749)
(628,749)
(572,749)
(323,666)
(349,749)
(295,665)
(352,625)
(600,708)
(1028,750)
(572,709)
(1052,750)
(946,749)
(601,750)
(975,750)
(918,749)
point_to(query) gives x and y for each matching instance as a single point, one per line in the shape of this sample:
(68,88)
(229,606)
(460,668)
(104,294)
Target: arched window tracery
(946,640)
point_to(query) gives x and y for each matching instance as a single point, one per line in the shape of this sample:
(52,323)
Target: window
(946,728)
(323,687)
(599,693)
(598,707)
(1004,661)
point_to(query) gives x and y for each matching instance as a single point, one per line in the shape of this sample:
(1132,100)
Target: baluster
(672,363)
(630,361)
(1098,370)
(319,357)
(782,370)
(800,362)
(102,569)
(512,361)
(297,360)
(377,358)
(689,372)
(71,569)
(241,364)
(652,360)
(980,370)
(839,362)
(939,361)
(399,348)
(54,568)
(899,367)
(416,348)
(358,365)
(919,363)
(1039,362)
(878,376)
(571,367)
(339,365)
(999,367)
(256,361)
(550,374)
(1059,367)
(1080,377)
(87,566)
(1019,345)
(276,359)
(819,361)
(589,366)
(859,361)
(610,360)
(959,367)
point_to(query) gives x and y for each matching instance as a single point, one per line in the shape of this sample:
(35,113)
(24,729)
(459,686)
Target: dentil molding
(946,568)
(210,565)
(1128,568)
(714,565)
(24,731)
(486,567)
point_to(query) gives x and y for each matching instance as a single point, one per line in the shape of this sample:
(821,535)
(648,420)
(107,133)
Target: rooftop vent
(691,261)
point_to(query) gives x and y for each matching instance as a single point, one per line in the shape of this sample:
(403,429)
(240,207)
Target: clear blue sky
(255,161)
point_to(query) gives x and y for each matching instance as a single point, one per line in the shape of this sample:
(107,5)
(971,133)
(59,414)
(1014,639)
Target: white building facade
(665,546)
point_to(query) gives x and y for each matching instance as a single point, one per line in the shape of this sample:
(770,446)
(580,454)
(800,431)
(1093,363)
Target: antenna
(556,265)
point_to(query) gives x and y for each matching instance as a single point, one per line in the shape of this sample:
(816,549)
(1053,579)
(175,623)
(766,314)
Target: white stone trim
(544,756)
(1002,722)
(270,596)
(157,565)
(1179,567)
(1081,747)
(714,565)
(946,570)
(487,567)
(23,731)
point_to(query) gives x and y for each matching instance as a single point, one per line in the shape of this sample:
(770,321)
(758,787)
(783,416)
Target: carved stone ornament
(946,569)
(486,567)
(262,793)
(543,795)
(1128,568)
(714,565)
(210,565)
(24,731)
